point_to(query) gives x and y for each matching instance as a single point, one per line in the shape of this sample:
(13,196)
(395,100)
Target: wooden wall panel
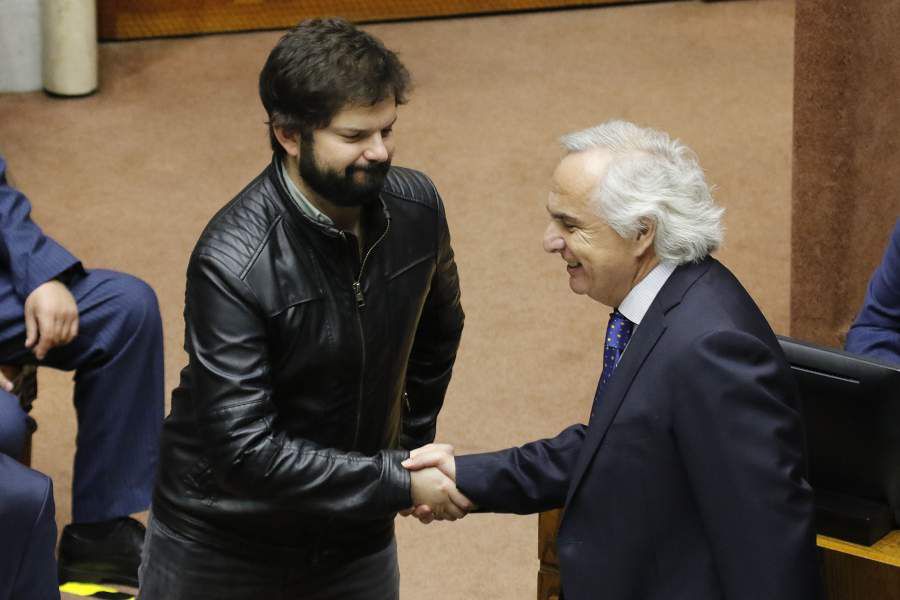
(132,19)
(846,184)
(853,578)
(549,583)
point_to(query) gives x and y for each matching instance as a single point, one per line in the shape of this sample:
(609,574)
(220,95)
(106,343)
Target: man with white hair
(688,480)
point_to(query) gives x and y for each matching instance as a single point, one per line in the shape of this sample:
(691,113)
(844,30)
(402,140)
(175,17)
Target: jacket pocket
(199,481)
(411,265)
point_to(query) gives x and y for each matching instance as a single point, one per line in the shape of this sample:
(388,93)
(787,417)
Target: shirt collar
(638,301)
(300,199)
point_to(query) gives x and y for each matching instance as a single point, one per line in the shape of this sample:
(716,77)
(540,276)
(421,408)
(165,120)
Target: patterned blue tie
(618,332)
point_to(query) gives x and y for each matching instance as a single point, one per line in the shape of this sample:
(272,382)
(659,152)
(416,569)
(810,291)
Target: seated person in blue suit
(106,327)
(27,564)
(876,331)
(688,480)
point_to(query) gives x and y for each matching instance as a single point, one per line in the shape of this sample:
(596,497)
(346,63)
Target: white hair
(653,177)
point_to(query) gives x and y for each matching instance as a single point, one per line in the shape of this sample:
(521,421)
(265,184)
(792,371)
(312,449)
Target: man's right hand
(433,489)
(51,318)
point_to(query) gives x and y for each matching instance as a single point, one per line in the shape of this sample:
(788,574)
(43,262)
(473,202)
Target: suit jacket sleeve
(740,440)
(26,253)
(876,331)
(237,418)
(524,480)
(434,348)
(37,571)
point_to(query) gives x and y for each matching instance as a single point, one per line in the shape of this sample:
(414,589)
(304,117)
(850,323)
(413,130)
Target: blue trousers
(118,362)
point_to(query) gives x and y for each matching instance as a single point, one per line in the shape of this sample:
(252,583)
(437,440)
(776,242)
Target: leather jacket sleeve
(237,419)
(434,348)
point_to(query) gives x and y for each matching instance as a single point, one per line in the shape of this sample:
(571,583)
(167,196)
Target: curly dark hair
(320,66)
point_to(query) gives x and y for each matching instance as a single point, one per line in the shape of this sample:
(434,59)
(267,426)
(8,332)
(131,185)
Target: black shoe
(107,551)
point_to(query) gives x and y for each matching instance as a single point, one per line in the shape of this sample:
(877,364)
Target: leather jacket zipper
(360,304)
(357,285)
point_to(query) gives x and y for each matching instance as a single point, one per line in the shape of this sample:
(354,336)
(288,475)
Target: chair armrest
(24,380)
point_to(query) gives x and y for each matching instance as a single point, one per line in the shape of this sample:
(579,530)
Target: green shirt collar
(302,202)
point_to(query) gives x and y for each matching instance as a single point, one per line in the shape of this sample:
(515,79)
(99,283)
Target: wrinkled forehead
(577,175)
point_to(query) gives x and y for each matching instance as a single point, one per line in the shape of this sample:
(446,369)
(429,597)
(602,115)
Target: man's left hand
(51,318)
(440,456)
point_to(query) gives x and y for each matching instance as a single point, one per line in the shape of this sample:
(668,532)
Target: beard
(341,188)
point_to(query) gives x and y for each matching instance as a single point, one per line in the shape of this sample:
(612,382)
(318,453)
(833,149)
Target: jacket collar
(645,338)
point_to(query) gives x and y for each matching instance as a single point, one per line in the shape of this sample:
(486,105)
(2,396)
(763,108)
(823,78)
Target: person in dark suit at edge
(876,331)
(28,526)
(688,480)
(106,327)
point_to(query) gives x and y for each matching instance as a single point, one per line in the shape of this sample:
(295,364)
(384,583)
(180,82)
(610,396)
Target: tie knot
(618,331)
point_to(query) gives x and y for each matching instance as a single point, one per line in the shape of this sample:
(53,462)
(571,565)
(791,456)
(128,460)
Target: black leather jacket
(313,369)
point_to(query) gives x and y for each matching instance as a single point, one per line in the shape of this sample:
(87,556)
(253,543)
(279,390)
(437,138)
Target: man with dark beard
(322,321)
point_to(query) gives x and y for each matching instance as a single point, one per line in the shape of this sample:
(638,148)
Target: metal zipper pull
(360,299)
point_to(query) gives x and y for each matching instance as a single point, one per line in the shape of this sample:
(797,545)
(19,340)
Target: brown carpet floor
(127,178)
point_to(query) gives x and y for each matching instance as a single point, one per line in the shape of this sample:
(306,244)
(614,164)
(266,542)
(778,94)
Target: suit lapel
(645,338)
(638,348)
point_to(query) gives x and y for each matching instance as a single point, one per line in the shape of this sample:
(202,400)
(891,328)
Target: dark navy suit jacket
(27,564)
(28,258)
(876,331)
(688,484)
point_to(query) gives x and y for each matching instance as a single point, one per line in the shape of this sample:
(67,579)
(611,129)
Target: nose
(553,241)
(376,151)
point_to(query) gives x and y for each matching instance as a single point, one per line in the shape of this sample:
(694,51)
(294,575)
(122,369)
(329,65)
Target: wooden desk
(849,571)
(854,572)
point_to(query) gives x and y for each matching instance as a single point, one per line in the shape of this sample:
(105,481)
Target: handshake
(434,494)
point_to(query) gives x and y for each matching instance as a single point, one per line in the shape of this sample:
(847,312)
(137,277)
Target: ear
(290,141)
(645,237)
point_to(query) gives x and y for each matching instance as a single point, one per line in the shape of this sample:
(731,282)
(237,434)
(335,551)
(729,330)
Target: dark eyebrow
(349,131)
(355,131)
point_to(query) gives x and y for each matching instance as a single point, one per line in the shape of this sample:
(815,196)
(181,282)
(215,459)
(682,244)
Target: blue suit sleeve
(739,437)
(30,257)
(37,574)
(876,331)
(524,480)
